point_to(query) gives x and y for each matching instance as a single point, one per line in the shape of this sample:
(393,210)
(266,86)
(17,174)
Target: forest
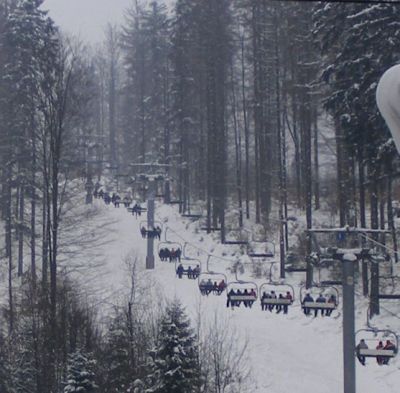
(256,111)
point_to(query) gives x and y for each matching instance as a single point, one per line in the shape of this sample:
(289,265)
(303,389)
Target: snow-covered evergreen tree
(80,376)
(175,366)
(4,368)
(118,373)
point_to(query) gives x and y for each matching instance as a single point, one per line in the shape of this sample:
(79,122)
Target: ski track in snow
(287,353)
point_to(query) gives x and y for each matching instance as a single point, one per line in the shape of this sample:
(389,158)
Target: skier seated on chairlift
(190,272)
(196,272)
(117,200)
(164,254)
(272,296)
(101,193)
(221,286)
(136,210)
(286,306)
(361,345)
(246,302)
(157,232)
(125,201)
(253,295)
(279,307)
(308,298)
(390,347)
(180,270)
(229,302)
(95,193)
(265,295)
(320,299)
(107,198)
(207,286)
(379,359)
(331,300)
(143,232)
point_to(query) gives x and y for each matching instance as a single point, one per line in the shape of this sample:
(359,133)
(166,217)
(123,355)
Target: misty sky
(87,18)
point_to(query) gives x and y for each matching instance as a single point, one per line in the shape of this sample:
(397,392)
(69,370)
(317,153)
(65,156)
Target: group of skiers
(115,199)
(192,273)
(381,360)
(279,307)
(247,297)
(207,286)
(151,233)
(137,210)
(320,299)
(172,255)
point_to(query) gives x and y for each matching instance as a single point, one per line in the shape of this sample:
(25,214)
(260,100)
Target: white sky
(87,18)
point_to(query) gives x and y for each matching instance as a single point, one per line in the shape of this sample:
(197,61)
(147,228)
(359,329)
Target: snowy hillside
(286,354)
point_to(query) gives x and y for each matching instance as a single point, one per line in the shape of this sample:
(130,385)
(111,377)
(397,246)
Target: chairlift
(376,343)
(193,213)
(274,294)
(324,298)
(169,251)
(137,209)
(267,252)
(154,231)
(190,267)
(127,200)
(240,291)
(293,264)
(239,241)
(175,202)
(212,282)
(328,264)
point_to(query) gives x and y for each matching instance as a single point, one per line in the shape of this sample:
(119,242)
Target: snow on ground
(287,354)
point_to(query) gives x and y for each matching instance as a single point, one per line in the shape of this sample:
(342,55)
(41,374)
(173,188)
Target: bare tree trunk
(8,242)
(238,148)
(21,218)
(316,162)
(246,131)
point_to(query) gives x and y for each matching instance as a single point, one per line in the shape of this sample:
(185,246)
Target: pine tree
(118,373)
(80,375)
(175,367)
(5,385)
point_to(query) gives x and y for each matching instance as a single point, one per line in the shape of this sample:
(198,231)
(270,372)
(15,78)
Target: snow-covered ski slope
(287,353)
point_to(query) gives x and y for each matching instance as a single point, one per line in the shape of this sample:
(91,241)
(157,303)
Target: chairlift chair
(145,230)
(212,282)
(239,241)
(235,299)
(268,253)
(190,267)
(284,293)
(170,246)
(194,214)
(374,336)
(330,293)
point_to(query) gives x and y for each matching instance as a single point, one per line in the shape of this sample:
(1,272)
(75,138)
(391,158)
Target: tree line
(230,97)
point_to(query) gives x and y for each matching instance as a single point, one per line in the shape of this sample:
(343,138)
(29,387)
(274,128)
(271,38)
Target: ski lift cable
(379,243)
(384,308)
